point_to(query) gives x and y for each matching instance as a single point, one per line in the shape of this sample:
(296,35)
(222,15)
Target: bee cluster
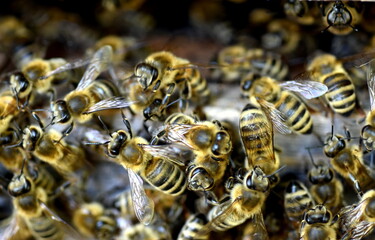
(187,120)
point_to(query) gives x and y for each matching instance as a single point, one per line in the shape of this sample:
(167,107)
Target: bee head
(146,74)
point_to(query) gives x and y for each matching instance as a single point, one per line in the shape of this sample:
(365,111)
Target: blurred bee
(297,200)
(30,209)
(245,201)
(13,32)
(357,221)
(163,70)
(158,230)
(328,70)
(340,17)
(159,172)
(347,161)
(282,98)
(192,227)
(93,221)
(318,223)
(9,110)
(303,12)
(10,158)
(368,131)
(88,92)
(282,36)
(326,188)
(237,60)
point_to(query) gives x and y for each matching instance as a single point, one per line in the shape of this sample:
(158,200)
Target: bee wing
(143,205)
(171,152)
(175,133)
(371,83)
(110,103)
(277,118)
(361,230)
(357,60)
(223,211)
(307,89)
(94,135)
(69,232)
(66,67)
(10,227)
(258,230)
(99,63)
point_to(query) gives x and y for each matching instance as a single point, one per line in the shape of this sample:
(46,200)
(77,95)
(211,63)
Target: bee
(163,70)
(368,131)
(281,96)
(297,200)
(318,223)
(303,12)
(157,230)
(88,92)
(237,60)
(340,17)
(10,158)
(192,228)
(92,220)
(257,138)
(341,96)
(347,161)
(159,172)
(8,111)
(357,221)
(211,144)
(326,188)
(12,33)
(29,202)
(245,201)
(49,147)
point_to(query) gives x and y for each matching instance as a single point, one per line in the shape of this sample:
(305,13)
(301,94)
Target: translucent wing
(66,67)
(110,103)
(10,228)
(143,205)
(371,83)
(307,89)
(255,228)
(357,60)
(100,61)
(171,152)
(175,133)
(277,118)
(94,135)
(69,232)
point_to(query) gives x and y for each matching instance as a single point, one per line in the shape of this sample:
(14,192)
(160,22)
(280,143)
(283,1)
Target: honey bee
(29,202)
(297,200)
(8,111)
(303,12)
(237,60)
(210,143)
(163,70)
(192,227)
(326,188)
(347,161)
(87,93)
(257,138)
(245,201)
(318,223)
(368,131)
(156,231)
(49,147)
(13,32)
(340,17)
(328,70)
(159,172)
(10,158)
(92,220)
(357,221)
(282,98)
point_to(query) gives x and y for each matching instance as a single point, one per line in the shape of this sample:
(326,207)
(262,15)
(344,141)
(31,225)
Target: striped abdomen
(297,115)
(165,176)
(44,227)
(267,64)
(341,95)
(257,137)
(103,89)
(226,221)
(199,87)
(192,228)
(297,201)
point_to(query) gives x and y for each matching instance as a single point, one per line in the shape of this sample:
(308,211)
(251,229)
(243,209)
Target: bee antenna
(104,125)
(95,143)
(127,123)
(277,171)
(311,158)
(325,29)
(13,145)
(131,76)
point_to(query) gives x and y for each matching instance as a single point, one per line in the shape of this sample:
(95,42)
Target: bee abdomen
(340,95)
(193,227)
(167,177)
(44,228)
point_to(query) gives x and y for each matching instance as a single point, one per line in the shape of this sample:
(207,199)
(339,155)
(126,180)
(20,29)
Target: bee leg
(155,139)
(127,123)
(356,185)
(37,118)
(156,87)
(59,190)
(168,94)
(66,132)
